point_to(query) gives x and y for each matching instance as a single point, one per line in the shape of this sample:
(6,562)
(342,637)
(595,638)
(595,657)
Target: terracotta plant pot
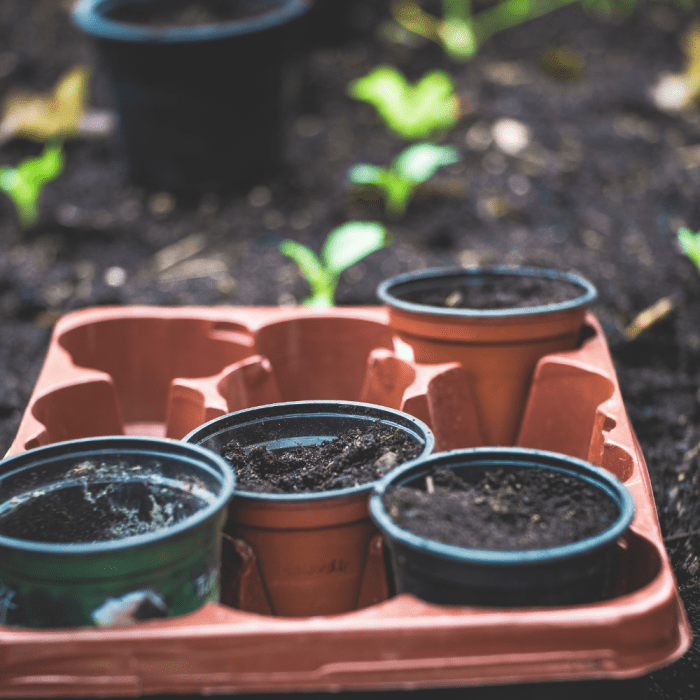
(108,531)
(498,348)
(310,548)
(200,107)
(573,573)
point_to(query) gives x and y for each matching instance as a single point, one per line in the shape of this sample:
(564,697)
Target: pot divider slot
(321,357)
(192,402)
(84,408)
(561,412)
(143,355)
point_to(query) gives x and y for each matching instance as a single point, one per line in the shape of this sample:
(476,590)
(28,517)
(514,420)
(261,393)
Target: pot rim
(320,408)
(91,17)
(386,291)
(520,456)
(121,445)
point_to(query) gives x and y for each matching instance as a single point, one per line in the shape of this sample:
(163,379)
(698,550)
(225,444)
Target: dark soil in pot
(503,510)
(501,292)
(96,512)
(357,456)
(188,13)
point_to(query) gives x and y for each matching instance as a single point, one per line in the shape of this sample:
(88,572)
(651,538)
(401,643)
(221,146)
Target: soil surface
(74,514)
(186,13)
(498,292)
(601,188)
(356,456)
(503,510)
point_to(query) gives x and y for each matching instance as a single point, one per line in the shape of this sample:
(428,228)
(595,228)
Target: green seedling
(690,242)
(413,111)
(461,32)
(344,246)
(24,184)
(409,169)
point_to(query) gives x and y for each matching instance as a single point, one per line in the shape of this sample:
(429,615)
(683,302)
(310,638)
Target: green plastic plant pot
(310,548)
(499,348)
(571,574)
(200,107)
(167,561)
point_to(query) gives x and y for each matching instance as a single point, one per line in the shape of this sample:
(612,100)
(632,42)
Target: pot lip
(386,291)
(91,17)
(524,457)
(320,407)
(125,444)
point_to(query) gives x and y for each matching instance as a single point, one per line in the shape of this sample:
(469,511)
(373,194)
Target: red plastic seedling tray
(163,371)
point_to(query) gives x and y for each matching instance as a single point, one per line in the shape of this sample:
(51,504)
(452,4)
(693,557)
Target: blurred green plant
(690,242)
(413,166)
(461,32)
(344,246)
(413,111)
(24,184)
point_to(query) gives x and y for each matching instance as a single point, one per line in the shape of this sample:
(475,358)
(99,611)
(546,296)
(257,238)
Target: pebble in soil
(356,456)
(504,510)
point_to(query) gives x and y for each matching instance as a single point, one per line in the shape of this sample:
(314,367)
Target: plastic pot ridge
(499,348)
(310,548)
(158,572)
(571,574)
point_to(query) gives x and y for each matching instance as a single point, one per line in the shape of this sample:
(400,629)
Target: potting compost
(356,456)
(503,510)
(504,292)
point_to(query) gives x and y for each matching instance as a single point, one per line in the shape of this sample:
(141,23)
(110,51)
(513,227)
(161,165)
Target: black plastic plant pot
(205,107)
(310,547)
(575,573)
(111,530)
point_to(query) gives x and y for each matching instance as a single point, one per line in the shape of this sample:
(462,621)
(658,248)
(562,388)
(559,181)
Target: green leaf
(351,242)
(419,162)
(412,111)
(690,242)
(364,174)
(24,184)
(309,264)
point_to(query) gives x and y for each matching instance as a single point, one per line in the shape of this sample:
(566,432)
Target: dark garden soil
(356,456)
(503,510)
(602,187)
(499,292)
(97,513)
(186,13)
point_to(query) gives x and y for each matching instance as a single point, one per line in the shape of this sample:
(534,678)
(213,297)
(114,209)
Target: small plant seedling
(690,242)
(413,111)
(344,246)
(409,169)
(24,184)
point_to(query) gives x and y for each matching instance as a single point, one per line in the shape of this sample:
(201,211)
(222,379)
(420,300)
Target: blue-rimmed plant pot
(498,347)
(310,547)
(577,572)
(110,530)
(201,107)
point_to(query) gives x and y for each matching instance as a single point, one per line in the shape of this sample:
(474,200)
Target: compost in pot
(356,456)
(187,13)
(96,503)
(501,292)
(503,510)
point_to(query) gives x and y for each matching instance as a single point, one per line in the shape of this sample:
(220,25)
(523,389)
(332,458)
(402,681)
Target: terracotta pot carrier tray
(163,371)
